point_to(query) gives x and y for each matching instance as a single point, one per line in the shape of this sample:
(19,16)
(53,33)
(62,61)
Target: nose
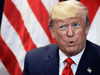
(70,32)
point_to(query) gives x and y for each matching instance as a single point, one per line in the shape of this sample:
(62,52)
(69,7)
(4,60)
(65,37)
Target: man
(69,25)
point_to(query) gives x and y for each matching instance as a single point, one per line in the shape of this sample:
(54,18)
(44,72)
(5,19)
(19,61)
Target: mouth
(71,43)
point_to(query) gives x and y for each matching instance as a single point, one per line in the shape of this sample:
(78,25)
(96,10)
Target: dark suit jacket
(45,61)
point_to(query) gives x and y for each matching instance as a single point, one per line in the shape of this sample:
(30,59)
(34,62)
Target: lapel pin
(89,70)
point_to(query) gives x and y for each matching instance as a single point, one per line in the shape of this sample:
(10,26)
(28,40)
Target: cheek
(80,32)
(80,35)
(60,36)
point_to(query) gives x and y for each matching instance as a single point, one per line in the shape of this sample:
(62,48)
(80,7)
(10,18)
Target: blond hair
(67,9)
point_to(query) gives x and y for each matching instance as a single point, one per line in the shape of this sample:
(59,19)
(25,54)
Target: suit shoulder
(41,51)
(96,48)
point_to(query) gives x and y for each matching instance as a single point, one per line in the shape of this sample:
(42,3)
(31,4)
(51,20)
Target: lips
(71,43)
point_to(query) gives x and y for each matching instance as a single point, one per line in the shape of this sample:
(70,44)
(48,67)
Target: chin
(72,51)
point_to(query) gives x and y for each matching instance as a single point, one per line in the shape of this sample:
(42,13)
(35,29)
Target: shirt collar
(75,58)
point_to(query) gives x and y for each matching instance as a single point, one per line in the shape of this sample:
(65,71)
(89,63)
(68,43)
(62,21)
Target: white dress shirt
(75,58)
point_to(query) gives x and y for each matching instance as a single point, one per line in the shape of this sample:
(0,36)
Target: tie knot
(69,61)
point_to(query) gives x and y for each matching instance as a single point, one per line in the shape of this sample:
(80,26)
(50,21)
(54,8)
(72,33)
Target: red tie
(67,70)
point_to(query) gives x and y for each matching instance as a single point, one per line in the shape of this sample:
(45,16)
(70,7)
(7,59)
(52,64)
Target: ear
(87,30)
(52,33)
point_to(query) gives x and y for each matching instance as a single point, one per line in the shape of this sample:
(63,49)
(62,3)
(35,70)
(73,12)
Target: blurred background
(3,70)
(1,10)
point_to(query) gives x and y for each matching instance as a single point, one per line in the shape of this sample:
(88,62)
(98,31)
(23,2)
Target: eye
(75,25)
(63,27)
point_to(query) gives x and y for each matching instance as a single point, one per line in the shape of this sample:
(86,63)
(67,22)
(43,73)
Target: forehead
(71,20)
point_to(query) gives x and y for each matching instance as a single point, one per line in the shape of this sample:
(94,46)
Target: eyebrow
(71,23)
(74,22)
(63,24)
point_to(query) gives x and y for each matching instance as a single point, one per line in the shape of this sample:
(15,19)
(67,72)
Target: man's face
(70,35)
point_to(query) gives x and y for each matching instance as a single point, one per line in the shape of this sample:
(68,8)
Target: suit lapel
(51,63)
(86,61)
